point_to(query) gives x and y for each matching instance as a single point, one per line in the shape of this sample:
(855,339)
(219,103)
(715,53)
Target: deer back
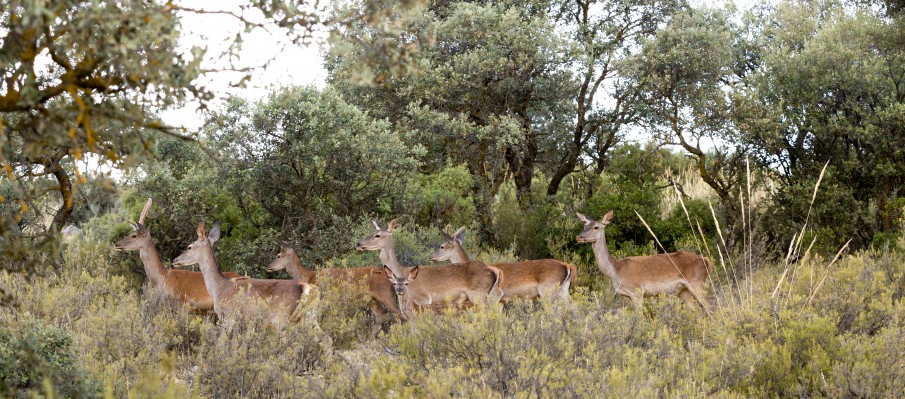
(527,279)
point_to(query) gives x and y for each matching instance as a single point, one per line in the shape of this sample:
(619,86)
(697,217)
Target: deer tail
(496,290)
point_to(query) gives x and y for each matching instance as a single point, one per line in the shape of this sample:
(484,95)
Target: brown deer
(185,286)
(282,296)
(370,278)
(419,287)
(679,273)
(526,280)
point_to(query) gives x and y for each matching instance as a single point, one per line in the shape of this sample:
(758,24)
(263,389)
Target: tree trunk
(521,164)
(563,170)
(52,165)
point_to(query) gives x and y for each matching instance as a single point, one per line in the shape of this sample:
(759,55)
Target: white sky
(291,64)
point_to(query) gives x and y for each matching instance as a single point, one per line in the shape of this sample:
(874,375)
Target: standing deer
(527,280)
(370,278)
(419,287)
(185,286)
(282,296)
(679,273)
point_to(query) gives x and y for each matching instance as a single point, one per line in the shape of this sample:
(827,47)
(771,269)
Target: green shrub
(35,355)
(250,357)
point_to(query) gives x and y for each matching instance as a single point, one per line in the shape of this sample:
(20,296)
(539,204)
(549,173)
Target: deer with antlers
(679,273)
(283,296)
(185,286)
(526,280)
(418,287)
(372,279)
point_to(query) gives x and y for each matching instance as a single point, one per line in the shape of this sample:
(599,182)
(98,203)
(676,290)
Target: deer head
(196,250)
(447,249)
(379,240)
(400,284)
(283,258)
(593,230)
(140,236)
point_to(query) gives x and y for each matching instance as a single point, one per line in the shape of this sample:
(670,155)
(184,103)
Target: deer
(679,273)
(434,286)
(282,296)
(523,280)
(185,286)
(372,279)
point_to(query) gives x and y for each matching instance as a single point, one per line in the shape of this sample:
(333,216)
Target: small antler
(144,212)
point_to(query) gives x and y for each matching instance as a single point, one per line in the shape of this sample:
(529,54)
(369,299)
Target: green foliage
(34,355)
(252,358)
(842,336)
(443,198)
(828,91)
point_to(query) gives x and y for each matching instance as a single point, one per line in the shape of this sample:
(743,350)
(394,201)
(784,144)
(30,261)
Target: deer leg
(563,291)
(379,316)
(700,295)
(389,303)
(688,298)
(477,297)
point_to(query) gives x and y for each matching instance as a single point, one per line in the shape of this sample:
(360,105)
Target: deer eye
(279,256)
(134,235)
(596,227)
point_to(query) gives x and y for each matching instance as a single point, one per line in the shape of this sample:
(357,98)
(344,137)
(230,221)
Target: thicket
(834,329)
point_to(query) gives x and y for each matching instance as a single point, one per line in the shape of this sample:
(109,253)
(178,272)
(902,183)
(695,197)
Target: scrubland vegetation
(829,331)
(768,139)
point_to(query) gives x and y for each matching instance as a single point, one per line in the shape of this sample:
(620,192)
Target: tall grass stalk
(700,239)
(724,260)
(748,231)
(795,252)
(825,274)
(698,295)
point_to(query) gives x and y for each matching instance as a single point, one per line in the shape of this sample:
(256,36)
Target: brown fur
(369,278)
(525,280)
(283,296)
(430,286)
(532,279)
(185,286)
(679,273)
(188,287)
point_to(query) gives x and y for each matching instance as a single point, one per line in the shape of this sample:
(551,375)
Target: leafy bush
(37,358)
(830,330)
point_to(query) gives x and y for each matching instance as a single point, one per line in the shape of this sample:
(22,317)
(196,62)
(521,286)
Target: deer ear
(201,231)
(584,219)
(376,226)
(284,245)
(460,235)
(392,226)
(413,273)
(214,235)
(134,226)
(607,218)
(389,272)
(444,236)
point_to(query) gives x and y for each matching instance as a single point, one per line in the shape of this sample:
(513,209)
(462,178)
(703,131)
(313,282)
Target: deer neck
(214,279)
(298,271)
(388,258)
(153,266)
(605,262)
(459,255)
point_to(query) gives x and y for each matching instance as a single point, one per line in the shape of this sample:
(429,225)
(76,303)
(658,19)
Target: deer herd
(394,290)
